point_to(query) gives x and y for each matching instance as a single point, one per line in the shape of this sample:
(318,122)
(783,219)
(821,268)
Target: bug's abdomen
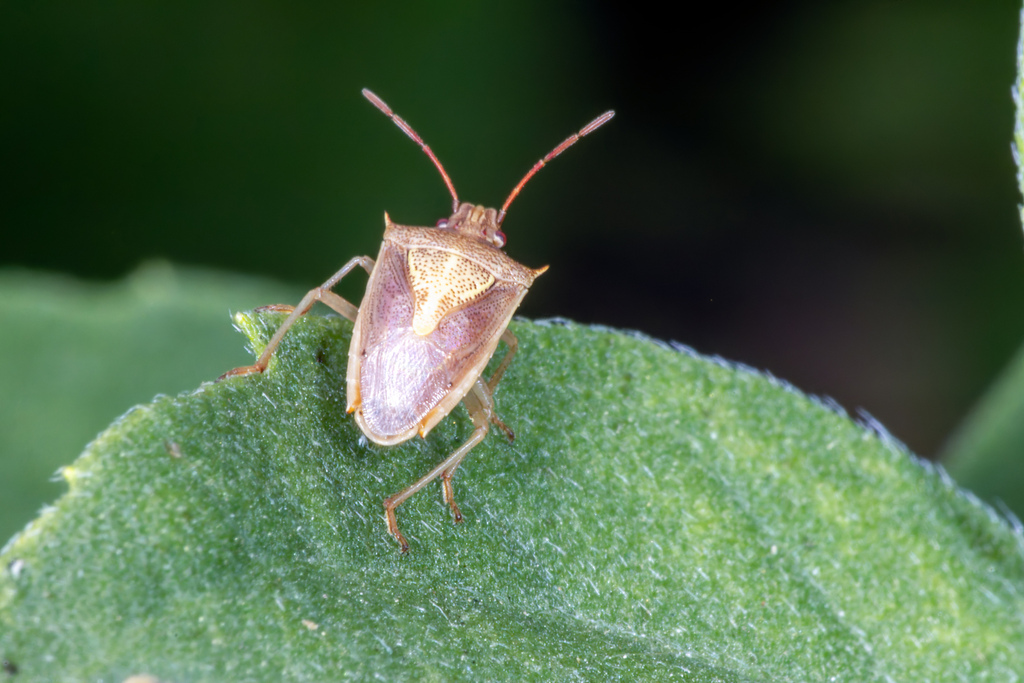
(402,380)
(402,371)
(401,375)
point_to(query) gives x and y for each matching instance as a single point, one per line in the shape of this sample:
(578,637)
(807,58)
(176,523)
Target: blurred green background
(822,190)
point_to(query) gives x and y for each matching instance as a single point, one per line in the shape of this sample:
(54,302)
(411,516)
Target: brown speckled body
(403,378)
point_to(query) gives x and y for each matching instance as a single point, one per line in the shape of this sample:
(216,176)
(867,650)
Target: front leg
(322,293)
(513,345)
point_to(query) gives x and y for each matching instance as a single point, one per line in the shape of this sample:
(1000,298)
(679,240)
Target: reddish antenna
(407,129)
(569,142)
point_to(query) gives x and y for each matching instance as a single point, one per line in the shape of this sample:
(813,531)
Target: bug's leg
(321,293)
(481,422)
(480,405)
(513,345)
(276,308)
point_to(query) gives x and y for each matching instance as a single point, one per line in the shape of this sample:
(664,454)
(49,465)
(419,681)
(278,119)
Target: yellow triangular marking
(442,281)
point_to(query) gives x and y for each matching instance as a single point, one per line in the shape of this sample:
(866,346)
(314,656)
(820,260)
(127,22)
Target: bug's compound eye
(441,223)
(499,238)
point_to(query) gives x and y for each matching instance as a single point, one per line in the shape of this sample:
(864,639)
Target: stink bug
(437,303)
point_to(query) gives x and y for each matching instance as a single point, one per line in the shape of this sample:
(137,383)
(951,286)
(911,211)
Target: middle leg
(322,293)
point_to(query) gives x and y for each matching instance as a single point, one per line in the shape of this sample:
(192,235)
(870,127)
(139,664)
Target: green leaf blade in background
(658,515)
(986,454)
(75,354)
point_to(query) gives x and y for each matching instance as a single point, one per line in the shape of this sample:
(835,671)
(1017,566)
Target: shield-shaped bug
(437,303)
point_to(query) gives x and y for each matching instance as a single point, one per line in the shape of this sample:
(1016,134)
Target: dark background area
(822,190)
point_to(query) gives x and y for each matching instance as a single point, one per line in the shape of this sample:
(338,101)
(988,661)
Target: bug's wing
(407,382)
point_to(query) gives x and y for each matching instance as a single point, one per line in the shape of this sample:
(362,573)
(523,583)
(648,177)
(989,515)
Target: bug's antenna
(407,129)
(569,142)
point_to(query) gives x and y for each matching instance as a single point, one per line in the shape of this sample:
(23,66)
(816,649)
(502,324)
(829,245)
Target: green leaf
(659,515)
(73,355)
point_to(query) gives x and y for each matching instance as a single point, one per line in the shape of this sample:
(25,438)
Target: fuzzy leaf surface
(659,516)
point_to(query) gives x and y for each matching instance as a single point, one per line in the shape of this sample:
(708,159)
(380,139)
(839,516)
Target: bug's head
(477,222)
